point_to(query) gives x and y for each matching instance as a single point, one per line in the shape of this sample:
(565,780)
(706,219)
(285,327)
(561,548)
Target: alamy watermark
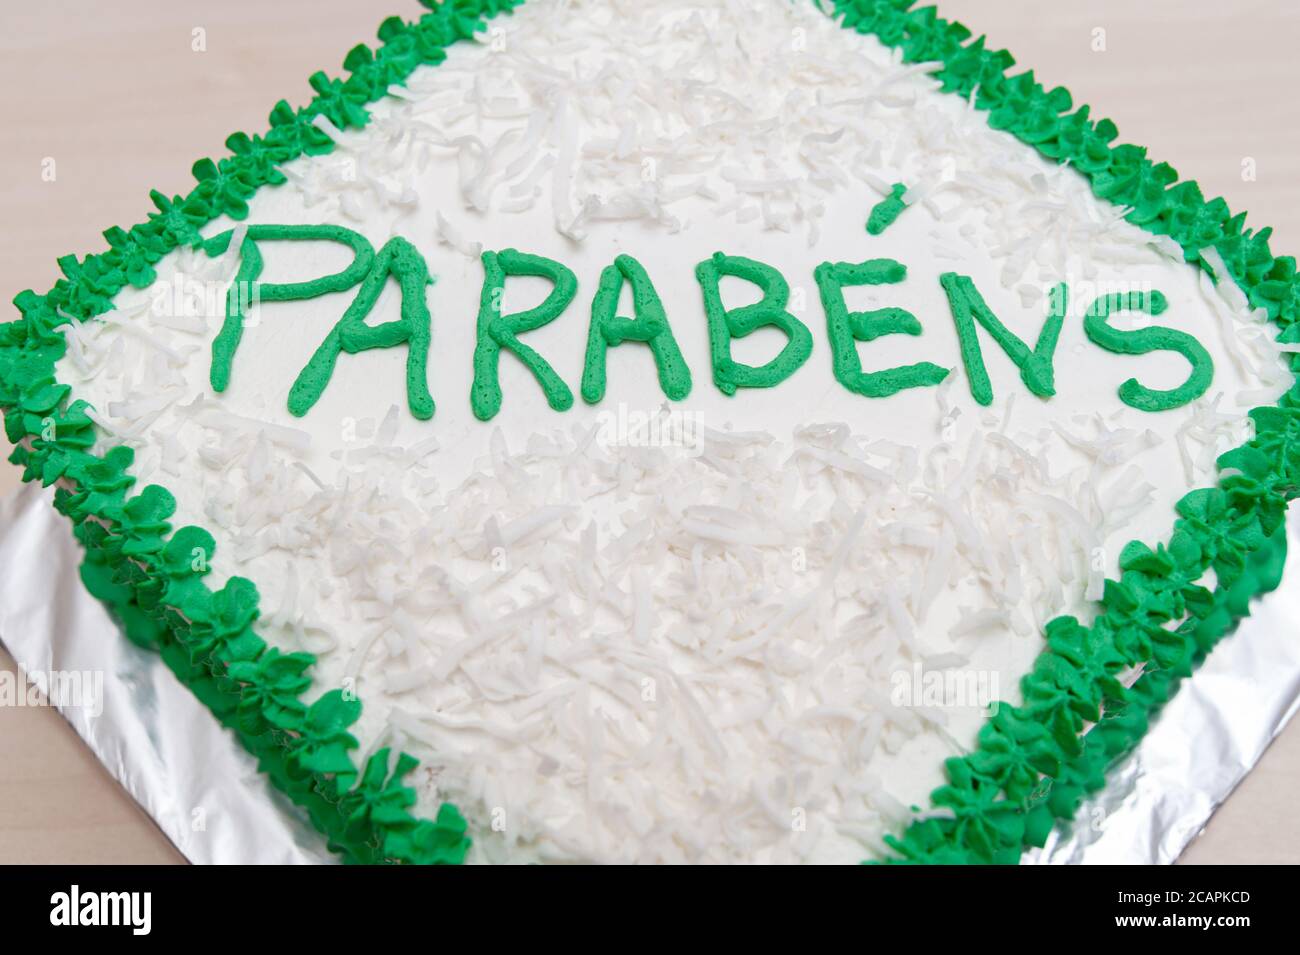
(184,297)
(65,689)
(1082,294)
(627,427)
(949,688)
(133,910)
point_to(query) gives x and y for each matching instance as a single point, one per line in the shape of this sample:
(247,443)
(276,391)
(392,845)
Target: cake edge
(1033,764)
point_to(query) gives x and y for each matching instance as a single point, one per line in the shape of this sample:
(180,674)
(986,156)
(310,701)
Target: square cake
(692,431)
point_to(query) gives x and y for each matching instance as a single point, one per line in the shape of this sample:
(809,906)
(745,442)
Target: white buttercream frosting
(698,631)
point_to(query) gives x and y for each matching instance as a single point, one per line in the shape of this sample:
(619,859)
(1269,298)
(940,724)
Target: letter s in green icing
(1141,341)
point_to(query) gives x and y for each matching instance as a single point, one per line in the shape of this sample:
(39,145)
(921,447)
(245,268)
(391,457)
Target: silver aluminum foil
(1203,743)
(192,776)
(206,795)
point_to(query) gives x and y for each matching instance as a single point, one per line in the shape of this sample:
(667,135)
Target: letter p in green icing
(726,324)
(351,334)
(249,277)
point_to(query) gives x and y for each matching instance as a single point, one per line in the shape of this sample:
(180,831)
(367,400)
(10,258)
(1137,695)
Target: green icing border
(1033,764)
(149,575)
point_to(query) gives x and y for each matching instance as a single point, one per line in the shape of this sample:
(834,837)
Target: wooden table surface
(124,97)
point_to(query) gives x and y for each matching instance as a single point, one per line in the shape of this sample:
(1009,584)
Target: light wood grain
(118,98)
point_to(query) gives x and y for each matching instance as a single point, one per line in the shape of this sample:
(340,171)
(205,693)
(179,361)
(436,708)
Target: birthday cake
(697,431)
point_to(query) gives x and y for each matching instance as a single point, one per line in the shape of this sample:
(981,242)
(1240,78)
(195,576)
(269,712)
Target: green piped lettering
(968,307)
(497,331)
(846,329)
(649,326)
(1140,341)
(726,324)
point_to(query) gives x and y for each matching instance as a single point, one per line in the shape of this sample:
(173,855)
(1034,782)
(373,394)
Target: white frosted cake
(471,397)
